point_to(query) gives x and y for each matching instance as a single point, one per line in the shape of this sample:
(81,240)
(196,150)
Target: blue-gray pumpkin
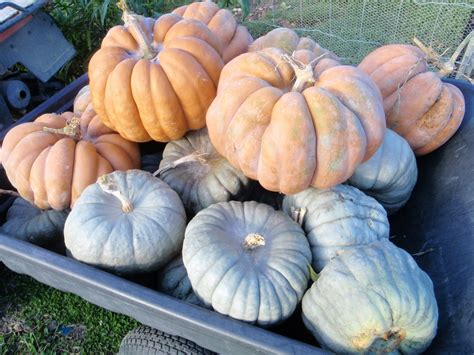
(247,260)
(336,219)
(127,222)
(201,177)
(27,222)
(174,281)
(390,175)
(372,299)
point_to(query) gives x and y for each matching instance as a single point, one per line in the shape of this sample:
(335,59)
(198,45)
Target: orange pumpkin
(292,134)
(53,159)
(235,39)
(154,80)
(82,100)
(418,105)
(301,48)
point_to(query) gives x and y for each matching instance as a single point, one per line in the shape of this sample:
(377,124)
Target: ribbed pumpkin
(27,222)
(372,299)
(290,134)
(127,222)
(418,105)
(52,160)
(82,100)
(174,281)
(247,261)
(390,175)
(302,48)
(154,80)
(200,176)
(336,219)
(235,38)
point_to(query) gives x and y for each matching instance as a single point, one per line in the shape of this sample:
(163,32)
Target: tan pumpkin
(154,80)
(288,134)
(235,38)
(53,159)
(418,105)
(302,48)
(82,100)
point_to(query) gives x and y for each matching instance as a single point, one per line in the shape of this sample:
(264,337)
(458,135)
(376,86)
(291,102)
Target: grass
(35,318)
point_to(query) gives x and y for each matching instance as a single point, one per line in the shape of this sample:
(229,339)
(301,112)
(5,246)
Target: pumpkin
(53,159)
(173,280)
(390,175)
(247,260)
(418,105)
(127,222)
(336,219)
(200,176)
(290,135)
(302,48)
(154,80)
(235,39)
(82,100)
(27,222)
(372,299)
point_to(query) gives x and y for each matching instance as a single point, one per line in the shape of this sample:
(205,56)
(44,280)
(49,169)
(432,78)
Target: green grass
(33,318)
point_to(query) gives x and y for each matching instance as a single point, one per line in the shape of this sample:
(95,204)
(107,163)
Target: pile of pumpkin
(280,110)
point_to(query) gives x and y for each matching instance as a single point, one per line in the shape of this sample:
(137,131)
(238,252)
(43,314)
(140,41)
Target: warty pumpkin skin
(50,168)
(247,260)
(290,135)
(390,175)
(154,80)
(27,222)
(336,219)
(201,176)
(372,299)
(235,39)
(174,281)
(418,105)
(127,222)
(303,48)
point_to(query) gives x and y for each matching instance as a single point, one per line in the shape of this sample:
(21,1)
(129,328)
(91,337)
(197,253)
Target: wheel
(146,340)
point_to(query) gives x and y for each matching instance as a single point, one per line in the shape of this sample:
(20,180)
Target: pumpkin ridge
(237,261)
(219,259)
(286,285)
(280,295)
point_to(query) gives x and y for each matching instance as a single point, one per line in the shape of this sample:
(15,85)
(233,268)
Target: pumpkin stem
(298,214)
(133,23)
(72,129)
(445,67)
(108,185)
(388,342)
(313,275)
(9,192)
(193,157)
(303,72)
(253,241)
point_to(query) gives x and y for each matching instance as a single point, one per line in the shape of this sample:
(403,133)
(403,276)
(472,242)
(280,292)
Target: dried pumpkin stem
(9,192)
(72,129)
(108,185)
(387,342)
(253,241)
(445,68)
(298,214)
(132,23)
(193,157)
(303,72)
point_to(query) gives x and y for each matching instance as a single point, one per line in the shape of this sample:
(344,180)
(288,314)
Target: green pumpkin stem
(313,275)
(133,22)
(72,129)
(108,185)
(193,157)
(253,241)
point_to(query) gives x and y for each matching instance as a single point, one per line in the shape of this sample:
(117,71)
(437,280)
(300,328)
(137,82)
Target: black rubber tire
(146,340)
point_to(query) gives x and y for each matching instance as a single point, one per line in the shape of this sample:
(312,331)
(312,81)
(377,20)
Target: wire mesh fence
(353,28)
